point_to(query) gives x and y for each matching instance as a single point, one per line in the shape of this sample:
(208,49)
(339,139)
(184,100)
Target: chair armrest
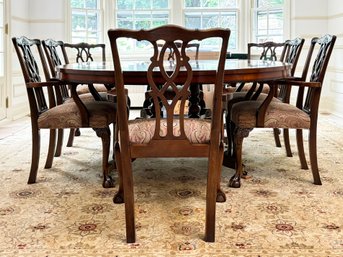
(261,112)
(43,84)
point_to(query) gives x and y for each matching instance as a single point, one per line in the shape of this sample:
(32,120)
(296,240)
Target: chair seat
(278,115)
(67,115)
(83,89)
(197,131)
(88,97)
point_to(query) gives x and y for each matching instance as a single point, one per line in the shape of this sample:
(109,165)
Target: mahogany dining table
(134,73)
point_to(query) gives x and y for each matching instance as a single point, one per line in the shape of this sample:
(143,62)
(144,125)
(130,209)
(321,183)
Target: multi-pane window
(90,19)
(86,21)
(209,14)
(268,20)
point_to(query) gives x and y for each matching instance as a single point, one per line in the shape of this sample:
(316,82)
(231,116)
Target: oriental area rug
(278,211)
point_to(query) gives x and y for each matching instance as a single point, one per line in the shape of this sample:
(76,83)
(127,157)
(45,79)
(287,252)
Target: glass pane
(91,4)
(160,4)
(228,3)
(269,3)
(193,3)
(125,4)
(143,5)
(78,21)
(192,20)
(125,24)
(77,3)
(210,20)
(92,21)
(157,23)
(143,24)
(276,20)
(213,3)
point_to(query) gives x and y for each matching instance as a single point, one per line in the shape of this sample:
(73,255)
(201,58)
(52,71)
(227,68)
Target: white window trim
(244,27)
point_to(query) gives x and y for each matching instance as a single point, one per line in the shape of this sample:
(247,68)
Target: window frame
(286,21)
(245,20)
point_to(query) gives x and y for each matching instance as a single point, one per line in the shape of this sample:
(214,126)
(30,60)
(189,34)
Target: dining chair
(265,113)
(291,50)
(175,135)
(56,55)
(85,53)
(52,114)
(196,105)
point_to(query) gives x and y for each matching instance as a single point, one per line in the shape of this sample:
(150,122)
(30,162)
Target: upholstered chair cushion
(83,89)
(67,115)
(278,115)
(197,131)
(88,97)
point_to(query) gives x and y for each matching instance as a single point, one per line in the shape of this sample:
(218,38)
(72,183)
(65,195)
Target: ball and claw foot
(118,198)
(221,197)
(108,182)
(235,181)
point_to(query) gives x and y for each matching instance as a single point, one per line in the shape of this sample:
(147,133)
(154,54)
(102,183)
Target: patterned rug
(278,211)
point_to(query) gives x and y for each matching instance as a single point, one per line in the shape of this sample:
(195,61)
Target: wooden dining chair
(56,55)
(175,135)
(265,113)
(53,114)
(85,53)
(290,54)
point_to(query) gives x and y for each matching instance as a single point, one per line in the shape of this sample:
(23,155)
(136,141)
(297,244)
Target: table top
(135,71)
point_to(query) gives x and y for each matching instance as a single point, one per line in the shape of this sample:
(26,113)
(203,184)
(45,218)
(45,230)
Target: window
(86,17)
(268,20)
(208,14)
(90,19)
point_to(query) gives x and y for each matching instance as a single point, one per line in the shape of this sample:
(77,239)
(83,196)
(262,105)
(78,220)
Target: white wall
(311,18)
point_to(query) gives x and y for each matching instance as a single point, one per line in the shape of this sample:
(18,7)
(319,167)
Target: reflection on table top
(135,71)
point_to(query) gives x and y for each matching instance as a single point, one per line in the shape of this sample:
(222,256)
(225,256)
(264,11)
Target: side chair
(52,114)
(176,135)
(291,50)
(56,55)
(251,114)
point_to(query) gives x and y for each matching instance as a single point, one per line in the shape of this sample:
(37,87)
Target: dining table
(134,73)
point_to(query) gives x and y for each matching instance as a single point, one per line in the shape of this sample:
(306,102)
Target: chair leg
(119,196)
(77,132)
(72,132)
(301,152)
(35,155)
(221,197)
(277,137)
(239,135)
(287,142)
(105,135)
(51,151)
(128,197)
(59,143)
(313,155)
